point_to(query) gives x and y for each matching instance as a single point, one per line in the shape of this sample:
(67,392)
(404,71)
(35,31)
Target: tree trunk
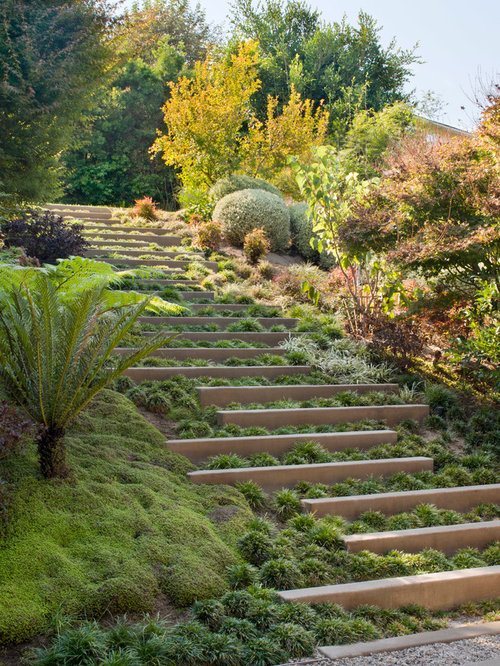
(52,453)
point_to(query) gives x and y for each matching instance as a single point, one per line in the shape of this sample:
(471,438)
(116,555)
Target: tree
(55,355)
(152,21)
(343,65)
(204,116)
(111,164)
(212,131)
(53,55)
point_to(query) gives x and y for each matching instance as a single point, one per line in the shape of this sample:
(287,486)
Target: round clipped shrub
(238,182)
(302,232)
(245,210)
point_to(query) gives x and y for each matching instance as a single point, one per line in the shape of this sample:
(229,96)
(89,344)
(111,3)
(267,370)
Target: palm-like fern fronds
(74,276)
(55,352)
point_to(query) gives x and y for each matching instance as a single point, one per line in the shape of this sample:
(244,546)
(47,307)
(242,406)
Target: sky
(459,42)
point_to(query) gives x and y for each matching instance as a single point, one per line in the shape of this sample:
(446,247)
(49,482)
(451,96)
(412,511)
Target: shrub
(302,232)
(256,245)
(145,208)
(280,573)
(208,235)
(43,235)
(12,428)
(242,211)
(294,639)
(236,182)
(253,494)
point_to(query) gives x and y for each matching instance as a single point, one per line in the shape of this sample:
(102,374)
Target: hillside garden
(211,393)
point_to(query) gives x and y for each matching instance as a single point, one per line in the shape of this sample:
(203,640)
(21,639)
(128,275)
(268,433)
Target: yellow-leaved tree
(212,131)
(204,116)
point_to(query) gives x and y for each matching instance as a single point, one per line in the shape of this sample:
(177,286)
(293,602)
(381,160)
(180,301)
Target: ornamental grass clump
(256,245)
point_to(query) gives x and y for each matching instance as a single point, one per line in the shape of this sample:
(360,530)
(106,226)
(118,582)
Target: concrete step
(198,450)
(221,322)
(459,499)
(215,354)
(275,418)
(227,372)
(126,239)
(172,283)
(217,307)
(287,476)
(384,645)
(446,538)
(267,337)
(132,232)
(170,263)
(197,295)
(157,253)
(221,396)
(436,591)
(125,244)
(80,212)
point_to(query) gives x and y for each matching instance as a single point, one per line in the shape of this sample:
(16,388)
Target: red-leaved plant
(145,208)
(256,245)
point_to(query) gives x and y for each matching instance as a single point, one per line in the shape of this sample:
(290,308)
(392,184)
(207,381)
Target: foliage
(202,142)
(372,135)
(346,361)
(256,245)
(341,64)
(238,181)
(109,163)
(303,238)
(55,352)
(43,235)
(149,24)
(366,283)
(208,235)
(245,210)
(146,209)
(478,352)
(135,552)
(12,428)
(430,192)
(295,131)
(207,146)
(52,58)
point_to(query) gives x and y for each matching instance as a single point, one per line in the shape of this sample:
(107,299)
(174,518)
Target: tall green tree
(53,54)
(345,65)
(111,163)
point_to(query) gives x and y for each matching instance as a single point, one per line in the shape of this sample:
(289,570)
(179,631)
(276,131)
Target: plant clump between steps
(242,211)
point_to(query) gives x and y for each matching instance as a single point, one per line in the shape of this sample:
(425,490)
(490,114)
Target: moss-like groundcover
(127,529)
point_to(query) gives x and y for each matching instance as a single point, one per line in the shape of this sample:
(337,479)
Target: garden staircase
(439,590)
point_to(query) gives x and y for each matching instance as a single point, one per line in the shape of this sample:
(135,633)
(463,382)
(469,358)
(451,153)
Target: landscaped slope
(130,528)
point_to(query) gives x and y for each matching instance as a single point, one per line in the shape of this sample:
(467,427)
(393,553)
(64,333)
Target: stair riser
(198,450)
(212,336)
(287,476)
(125,239)
(179,265)
(448,538)
(173,283)
(221,322)
(140,252)
(131,232)
(459,499)
(270,372)
(438,591)
(221,396)
(215,355)
(275,418)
